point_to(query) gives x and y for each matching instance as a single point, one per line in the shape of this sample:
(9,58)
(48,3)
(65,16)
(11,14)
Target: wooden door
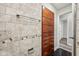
(47,32)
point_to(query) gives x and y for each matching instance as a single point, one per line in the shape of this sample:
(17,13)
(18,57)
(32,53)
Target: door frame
(74,9)
(67,12)
(42,33)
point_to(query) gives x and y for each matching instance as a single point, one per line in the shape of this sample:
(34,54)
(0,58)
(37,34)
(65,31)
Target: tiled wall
(20,29)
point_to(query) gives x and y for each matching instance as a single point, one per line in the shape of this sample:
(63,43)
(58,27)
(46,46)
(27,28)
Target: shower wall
(20,29)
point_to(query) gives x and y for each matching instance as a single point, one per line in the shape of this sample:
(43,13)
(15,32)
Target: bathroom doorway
(66,41)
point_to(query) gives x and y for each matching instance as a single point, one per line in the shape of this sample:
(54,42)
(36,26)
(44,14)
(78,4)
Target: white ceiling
(60,5)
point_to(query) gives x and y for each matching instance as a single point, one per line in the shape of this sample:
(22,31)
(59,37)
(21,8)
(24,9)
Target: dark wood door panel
(47,32)
(46,51)
(46,42)
(48,37)
(47,21)
(47,13)
(50,28)
(46,46)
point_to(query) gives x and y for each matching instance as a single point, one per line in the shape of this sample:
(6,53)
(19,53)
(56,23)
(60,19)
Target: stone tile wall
(20,29)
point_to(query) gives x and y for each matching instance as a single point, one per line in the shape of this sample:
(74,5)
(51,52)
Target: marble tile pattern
(20,29)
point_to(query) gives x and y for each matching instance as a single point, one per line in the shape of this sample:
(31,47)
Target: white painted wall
(59,25)
(77,30)
(70,32)
(63,22)
(67,27)
(64,29)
